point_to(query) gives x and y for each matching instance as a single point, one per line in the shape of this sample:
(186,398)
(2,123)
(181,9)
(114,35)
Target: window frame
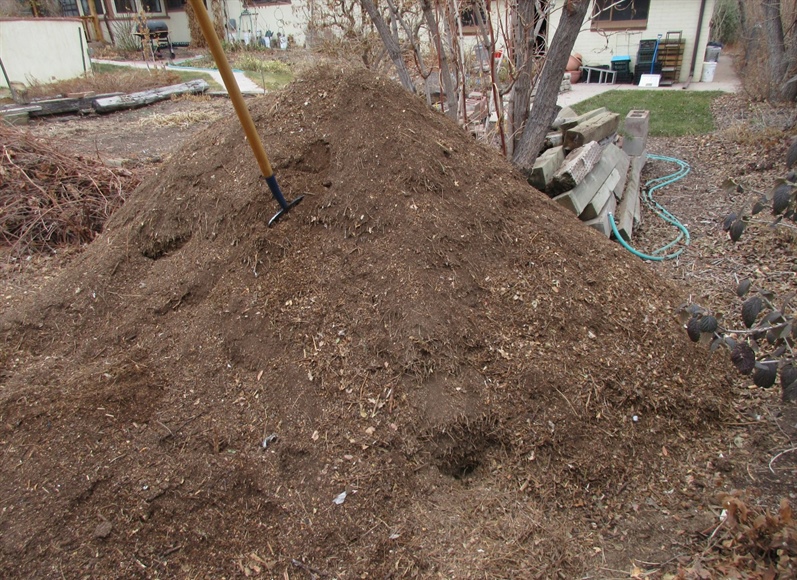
(99,7)
(611,24)
(471,29)
(138,5)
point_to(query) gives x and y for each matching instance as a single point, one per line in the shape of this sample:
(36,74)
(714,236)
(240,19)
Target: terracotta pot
(575,75)
(574,63)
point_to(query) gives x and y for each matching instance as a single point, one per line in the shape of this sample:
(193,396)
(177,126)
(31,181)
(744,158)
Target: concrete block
(576,167)
(577,199)
(635,132)
(601,223)
(545,167)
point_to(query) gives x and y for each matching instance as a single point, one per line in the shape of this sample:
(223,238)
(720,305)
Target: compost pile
(427,367)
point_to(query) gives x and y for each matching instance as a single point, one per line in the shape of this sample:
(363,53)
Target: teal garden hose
(652,185)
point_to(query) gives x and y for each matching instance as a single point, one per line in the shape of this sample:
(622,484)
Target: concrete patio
(725,80)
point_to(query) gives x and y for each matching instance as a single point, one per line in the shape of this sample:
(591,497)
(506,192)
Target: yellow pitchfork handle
(240,107)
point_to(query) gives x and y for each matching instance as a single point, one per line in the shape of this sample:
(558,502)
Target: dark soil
(499,391)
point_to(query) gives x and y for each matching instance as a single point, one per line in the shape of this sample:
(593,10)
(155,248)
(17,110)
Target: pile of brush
(50,198)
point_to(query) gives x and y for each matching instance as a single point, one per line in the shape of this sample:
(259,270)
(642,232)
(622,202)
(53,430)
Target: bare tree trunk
(776,48)
(743,26)
(524,65)
(393,49)
(447,81)
(544,110)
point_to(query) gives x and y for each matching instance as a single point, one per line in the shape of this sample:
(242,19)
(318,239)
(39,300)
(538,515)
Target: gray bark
(776,49)
(392,47)
(544,108)
(447,80)
(524,64)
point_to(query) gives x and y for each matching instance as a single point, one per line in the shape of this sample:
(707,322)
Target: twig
(757,330)
(771,461)
(568,402)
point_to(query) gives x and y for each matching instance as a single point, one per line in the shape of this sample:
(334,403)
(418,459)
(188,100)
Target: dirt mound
(483,376)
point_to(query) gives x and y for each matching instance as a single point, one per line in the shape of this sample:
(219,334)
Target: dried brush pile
(49,198)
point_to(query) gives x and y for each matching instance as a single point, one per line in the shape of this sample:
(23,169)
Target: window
(470,19)
(98,6)
(69,8)
(124,6)
(175,5)
(152,6)
(621,14)
(131,6)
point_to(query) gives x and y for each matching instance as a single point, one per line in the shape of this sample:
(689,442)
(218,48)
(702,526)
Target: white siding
(665,16)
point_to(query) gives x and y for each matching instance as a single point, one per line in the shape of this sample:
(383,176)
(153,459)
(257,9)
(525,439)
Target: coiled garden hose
(650,186)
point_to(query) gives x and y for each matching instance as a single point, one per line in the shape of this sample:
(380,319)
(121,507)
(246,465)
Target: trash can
(709,68)
(712,53)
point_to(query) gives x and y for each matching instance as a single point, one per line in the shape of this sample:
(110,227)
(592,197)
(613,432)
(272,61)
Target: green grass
(187,75)
(672,113)
(270,81)
(184,75)
(269,74)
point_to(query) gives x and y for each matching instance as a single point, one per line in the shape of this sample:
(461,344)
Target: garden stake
(240,109)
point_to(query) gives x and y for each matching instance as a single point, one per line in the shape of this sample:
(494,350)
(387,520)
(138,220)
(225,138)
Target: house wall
(42,50)
(288,19)
(597,48)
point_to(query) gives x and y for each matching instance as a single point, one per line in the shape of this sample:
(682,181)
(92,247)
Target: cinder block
(635,132)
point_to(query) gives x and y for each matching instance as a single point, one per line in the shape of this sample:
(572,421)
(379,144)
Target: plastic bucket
(709,68)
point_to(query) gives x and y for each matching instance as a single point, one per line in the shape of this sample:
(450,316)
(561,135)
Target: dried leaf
(728,221)
(788,375)
(743,288)
(781,198)
(693,329)
(790,393)
(785,512)
(765,374)
(730,185)
(750,310)
(791,155)
(743,358)
(708,324)
(736,230)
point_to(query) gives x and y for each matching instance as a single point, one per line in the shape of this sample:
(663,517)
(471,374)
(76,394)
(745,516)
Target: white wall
(664,16)
(286,19)
(42,49)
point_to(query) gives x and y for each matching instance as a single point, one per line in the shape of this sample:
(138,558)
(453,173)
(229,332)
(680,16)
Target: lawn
(672,112)
(269,74)
(156,74)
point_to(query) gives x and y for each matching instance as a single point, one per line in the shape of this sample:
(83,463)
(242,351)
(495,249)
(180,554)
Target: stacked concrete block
(635,132)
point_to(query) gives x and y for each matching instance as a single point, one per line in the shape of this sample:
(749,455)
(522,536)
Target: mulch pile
(427,367)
